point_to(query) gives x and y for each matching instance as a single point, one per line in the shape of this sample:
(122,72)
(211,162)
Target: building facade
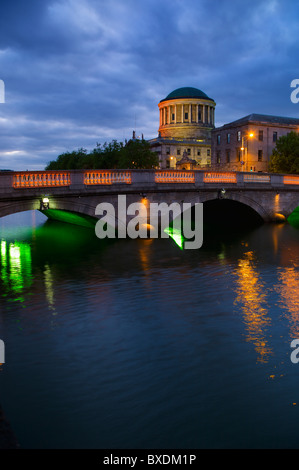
(247,144)
(187,118)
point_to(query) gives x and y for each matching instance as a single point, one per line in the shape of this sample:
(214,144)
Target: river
(139,344)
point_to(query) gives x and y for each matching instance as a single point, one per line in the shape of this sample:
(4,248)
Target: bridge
(77,192)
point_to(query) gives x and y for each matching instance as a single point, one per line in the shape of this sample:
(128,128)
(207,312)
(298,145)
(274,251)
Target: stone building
(247,144)
(187,117)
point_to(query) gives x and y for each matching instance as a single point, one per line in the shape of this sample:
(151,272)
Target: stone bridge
(78,192)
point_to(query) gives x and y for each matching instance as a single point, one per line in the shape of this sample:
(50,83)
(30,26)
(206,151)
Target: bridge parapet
(107,177)
(147,179)
(41,179)
(81,190)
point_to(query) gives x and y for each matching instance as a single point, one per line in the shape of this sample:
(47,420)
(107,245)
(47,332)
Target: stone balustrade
(80,179)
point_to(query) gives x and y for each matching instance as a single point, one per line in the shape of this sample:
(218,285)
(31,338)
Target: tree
(112,155)
(285,156)
(138,154)
(69,161)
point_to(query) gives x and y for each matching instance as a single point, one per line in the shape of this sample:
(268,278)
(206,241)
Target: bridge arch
(238,196)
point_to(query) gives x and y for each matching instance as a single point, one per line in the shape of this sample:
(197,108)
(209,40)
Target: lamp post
(245,138)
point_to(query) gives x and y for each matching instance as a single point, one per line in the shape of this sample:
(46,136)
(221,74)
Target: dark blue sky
(78,72)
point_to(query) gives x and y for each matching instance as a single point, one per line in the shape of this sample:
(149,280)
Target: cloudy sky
(78,72)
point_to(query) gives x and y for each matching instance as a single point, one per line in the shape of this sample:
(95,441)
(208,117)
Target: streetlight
(245,156)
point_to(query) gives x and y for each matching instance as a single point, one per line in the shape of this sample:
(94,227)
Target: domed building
(187,117)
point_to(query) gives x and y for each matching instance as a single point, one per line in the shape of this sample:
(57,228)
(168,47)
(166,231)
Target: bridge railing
(220,177)
(41,179)
(76,179)
(256,178)
(291,179)
(176,176)
(107,177)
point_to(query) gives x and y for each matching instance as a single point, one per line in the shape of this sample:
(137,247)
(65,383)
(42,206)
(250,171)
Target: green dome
(187,92)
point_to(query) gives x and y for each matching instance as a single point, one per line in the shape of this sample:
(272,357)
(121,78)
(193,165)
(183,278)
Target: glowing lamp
(44,203)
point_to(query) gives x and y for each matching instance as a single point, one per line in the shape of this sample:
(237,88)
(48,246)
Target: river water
(139,344)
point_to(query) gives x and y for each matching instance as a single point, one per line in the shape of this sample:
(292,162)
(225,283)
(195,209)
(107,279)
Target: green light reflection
(176,235)
(16,269)
(293,219)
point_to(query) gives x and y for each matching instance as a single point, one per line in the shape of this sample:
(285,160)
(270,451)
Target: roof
(265,118)
(186,92)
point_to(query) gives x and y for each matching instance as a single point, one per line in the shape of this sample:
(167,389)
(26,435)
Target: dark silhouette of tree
(113,155)
(285,156)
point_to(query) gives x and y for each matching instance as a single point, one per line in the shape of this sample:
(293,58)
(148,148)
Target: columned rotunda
(187,117)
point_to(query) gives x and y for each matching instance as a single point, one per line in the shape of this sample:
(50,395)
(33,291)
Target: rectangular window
(206,114)
(218,157)
(186,116)
(167,150)
(260,156)
(228,138)
(218,139)
(227,156)
(178,152)
(199,113)
(198,153)
(239,136)
(208,153)
(189,151)
(173,116)
(238,155)
(261,136)
(274,136)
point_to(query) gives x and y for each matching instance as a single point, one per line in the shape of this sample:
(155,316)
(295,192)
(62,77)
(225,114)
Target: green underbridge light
(70,217)
(176,235)
(293,219)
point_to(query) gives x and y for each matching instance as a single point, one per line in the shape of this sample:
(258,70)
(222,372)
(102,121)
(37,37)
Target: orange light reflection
(252,297)
(288,289)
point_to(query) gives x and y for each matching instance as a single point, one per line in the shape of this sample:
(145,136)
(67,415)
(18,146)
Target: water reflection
(251,297)
(145,316)
(288,288)
(49,289)
(16,269)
